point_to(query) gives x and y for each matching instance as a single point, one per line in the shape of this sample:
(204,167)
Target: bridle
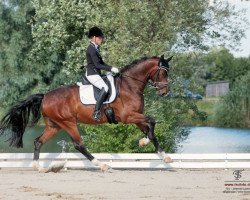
(155,84)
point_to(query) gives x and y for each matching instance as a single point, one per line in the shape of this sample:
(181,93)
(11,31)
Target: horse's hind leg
(50,130)
(72,129)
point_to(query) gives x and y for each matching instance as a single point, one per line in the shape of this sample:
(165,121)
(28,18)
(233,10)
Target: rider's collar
(95,45)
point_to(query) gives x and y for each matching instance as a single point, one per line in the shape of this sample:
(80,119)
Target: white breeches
(98,82)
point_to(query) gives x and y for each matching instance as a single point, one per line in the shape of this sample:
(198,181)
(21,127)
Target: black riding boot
(97,112)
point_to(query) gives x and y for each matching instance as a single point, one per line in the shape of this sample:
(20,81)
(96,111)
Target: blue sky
(245,42)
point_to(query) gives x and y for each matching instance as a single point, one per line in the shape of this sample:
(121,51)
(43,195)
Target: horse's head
(160,76)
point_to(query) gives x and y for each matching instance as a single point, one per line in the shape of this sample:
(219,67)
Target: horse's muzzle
(162,92)
(165,94)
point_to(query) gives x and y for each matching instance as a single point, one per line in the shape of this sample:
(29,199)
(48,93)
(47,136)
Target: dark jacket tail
(18,118)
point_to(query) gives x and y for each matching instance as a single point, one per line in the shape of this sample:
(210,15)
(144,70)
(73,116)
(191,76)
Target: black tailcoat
(94,61)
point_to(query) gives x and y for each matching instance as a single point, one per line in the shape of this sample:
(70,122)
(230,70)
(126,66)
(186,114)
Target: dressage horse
(61,109)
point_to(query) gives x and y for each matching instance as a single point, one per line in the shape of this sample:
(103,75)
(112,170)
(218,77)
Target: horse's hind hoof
(35,165)
(56,167)
(105,167)
(43,170)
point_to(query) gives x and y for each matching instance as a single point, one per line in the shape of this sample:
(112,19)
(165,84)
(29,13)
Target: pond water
(216,140)
(28,140)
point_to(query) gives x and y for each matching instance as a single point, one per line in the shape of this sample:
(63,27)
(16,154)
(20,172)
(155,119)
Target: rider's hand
(114,70)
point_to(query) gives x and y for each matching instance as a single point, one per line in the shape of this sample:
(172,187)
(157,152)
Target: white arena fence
(130,160)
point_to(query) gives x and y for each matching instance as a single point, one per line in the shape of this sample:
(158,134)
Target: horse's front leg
(151,137)
(147,125)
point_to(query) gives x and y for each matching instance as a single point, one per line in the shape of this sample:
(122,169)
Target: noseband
(156,84)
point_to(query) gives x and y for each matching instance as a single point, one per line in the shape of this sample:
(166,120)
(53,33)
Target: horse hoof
(43,170)
(56,167)
(105,167)
(143,142)
(167,159)
(35,165)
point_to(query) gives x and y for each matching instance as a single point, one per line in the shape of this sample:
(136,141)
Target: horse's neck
(141,71)
(138,76)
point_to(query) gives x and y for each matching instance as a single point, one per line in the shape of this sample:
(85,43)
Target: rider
(94,66)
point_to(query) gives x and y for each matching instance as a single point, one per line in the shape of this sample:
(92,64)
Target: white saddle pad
(87,92)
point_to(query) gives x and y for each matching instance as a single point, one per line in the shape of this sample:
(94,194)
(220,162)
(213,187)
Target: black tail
(17,119)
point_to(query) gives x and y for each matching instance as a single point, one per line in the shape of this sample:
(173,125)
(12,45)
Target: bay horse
(61,109)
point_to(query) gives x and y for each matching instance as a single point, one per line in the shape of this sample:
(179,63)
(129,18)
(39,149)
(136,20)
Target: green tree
(222,65)
(234,109)
(133,29)
(16,73)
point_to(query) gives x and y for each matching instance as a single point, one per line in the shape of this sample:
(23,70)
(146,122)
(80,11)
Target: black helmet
(95,31)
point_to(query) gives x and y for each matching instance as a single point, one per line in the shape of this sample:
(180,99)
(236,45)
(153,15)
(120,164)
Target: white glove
(115,70)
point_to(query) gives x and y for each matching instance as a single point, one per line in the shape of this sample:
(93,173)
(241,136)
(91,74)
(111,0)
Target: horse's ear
(161,61)
(162,58)
(170,58)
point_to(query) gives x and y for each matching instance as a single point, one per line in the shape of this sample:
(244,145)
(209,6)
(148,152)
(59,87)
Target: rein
(153,84)
(124,75)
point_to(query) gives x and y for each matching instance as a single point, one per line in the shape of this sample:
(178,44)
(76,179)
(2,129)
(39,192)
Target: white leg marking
(165,157)
(35,165)
(104,167)
(144,141)
(96,162)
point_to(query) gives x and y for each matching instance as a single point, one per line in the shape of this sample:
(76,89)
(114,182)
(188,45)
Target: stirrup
(97,115)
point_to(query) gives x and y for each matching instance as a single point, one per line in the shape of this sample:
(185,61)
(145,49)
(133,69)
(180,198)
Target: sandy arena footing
(125,184)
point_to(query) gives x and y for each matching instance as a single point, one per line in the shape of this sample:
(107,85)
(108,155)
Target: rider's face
(98,40)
